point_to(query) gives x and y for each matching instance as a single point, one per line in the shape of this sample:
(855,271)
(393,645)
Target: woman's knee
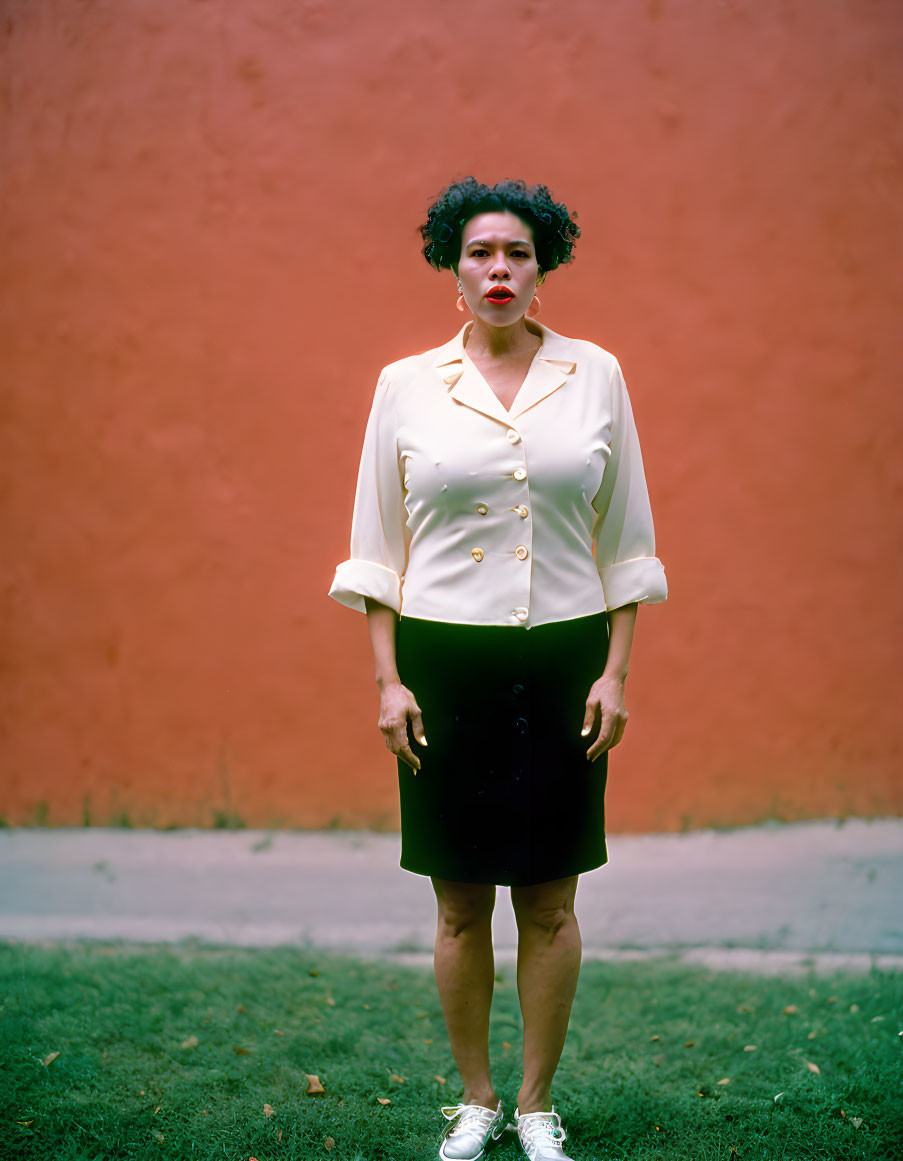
(463,906)
(546,906)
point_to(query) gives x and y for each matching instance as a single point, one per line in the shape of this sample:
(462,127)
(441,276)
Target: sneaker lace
(471,1118)
(541,1130)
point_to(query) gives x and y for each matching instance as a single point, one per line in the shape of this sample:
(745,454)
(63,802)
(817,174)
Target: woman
(500,545)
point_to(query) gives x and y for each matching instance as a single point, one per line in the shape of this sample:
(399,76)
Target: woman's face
(498,269)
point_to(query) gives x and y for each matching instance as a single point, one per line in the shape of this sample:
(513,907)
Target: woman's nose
(500,267)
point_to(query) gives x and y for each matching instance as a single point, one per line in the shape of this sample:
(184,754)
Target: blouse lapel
(470,388)
(548,371)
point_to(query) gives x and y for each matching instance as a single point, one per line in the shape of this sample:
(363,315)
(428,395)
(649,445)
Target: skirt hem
(507,880)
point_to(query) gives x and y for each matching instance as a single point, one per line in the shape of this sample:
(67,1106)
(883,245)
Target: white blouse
(470,513)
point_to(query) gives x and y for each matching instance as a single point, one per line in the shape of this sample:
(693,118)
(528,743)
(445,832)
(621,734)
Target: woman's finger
(589,718)
(406,754)
(620,727)
(417,726)
(399,743)
(609,735)
(604,737)
(599,746)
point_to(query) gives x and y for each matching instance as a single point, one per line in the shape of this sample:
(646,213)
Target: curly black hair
(554,230)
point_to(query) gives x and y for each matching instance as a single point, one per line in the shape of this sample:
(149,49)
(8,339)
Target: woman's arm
(605,703)
(396,703)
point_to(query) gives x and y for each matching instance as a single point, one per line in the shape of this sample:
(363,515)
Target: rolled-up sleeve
(379,536)
(623,535)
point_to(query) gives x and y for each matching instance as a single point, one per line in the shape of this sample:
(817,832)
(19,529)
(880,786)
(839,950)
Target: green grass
(131,1082)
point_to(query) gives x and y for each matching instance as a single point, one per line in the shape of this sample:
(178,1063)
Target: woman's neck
(485,341)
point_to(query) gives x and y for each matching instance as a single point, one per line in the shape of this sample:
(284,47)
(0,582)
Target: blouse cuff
(641,580)
(356,579)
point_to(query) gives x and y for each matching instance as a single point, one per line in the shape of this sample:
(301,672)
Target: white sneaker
(541,1135)
(476,1125)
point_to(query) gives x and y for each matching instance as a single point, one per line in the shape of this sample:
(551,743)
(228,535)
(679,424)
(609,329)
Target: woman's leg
(548,963)
(465,973)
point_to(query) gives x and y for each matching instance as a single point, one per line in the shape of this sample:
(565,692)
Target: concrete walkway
(770,898)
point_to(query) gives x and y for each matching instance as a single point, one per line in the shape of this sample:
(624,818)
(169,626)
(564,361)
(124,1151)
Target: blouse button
(521,511)
(482,509)
(513,437)
(521,552)
(477,554)
(520,474)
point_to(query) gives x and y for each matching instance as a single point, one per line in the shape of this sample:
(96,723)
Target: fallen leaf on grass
(855,1122)
(440,1079)
(313,1084)
(329,1143)
(749,1047)
(279,1138)
(811,1035)
(812,1067)
(49,1059)
(727,1080)
(384,1100)
(689,1043)
(191,1042)
(157,1109)
(655,1037)
(506,1046)
(330,1002)
(398,1079)
(240,1008)
(278,1033)
(239,1051)
(267,1110)
(422,1015)
(778,1096)
(158,1136)
(876,1019)
(789,1010)
(25,1123)
(854,1008)
(745,1008)
(313,972)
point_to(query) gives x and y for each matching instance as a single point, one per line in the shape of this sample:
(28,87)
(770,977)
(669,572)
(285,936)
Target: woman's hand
(397,706)
(605,708)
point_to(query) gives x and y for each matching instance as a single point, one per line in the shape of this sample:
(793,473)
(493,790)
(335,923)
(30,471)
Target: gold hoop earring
(460,303)
(535,307)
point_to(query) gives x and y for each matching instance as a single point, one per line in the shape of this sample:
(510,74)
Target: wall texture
(209,248)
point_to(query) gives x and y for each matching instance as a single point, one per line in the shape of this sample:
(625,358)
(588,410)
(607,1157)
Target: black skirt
(505,793)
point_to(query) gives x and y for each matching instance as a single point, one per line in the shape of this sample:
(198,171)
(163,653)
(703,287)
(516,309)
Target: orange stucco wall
(209,248)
